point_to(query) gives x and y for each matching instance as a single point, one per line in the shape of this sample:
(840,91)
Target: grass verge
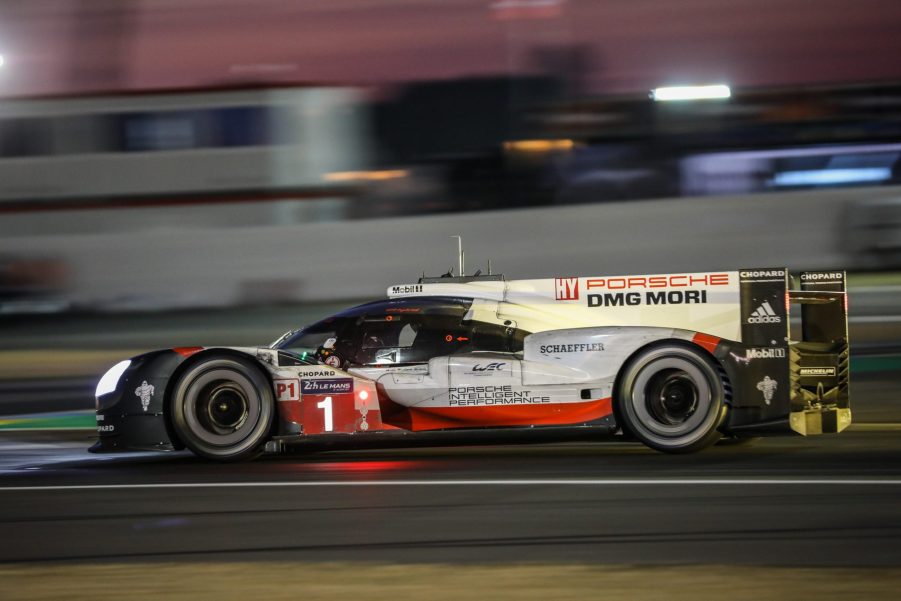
(390,582)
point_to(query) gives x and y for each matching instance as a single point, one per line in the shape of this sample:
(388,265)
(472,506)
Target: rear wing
(820,400)
(815,338)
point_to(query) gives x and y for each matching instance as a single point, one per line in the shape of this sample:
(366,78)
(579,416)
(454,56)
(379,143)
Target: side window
(409,338)
(385,339)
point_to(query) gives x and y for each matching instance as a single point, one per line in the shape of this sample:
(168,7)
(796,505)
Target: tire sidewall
(259,397)
(630,401)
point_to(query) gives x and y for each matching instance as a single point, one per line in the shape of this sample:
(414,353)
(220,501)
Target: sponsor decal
(317,374)
(659,281)
(587,347)
(762,274)
(662,297)
(287,389)
(361,403)
(479,369)
(759,353)
(333,361)
(566,289)
(816,371)
(145,393)
(410,369)
(408,289)
(767,386)
(819,277)
(329,386)
(764,314)
(493,395)
(106,428)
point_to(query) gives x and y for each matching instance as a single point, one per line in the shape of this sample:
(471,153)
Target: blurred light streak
(538,145)
(666,94)
(2,60)
(347,176)
(823,177)
(362,466)
(526,9)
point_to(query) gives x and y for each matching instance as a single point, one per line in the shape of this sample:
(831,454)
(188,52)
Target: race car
(676,361)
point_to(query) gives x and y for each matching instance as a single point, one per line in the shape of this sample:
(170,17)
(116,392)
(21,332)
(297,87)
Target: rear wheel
(672,399)
(223,408)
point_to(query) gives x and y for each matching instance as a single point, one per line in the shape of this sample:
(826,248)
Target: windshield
(282,338)
(308,339)
(392,331)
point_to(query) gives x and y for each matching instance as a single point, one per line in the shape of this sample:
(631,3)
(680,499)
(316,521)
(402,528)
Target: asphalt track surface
(824,501)
(820,501)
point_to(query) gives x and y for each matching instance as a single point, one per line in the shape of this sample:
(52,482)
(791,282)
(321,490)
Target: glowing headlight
(110,379)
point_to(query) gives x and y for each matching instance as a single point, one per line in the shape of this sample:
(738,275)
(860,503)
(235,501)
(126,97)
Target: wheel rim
(221,407)
(672,399)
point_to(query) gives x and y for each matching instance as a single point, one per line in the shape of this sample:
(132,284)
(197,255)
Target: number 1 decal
(326,405)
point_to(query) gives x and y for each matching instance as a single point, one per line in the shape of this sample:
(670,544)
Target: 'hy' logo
(567,288)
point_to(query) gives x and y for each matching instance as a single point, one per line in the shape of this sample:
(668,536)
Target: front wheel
(672,399)
(222,408)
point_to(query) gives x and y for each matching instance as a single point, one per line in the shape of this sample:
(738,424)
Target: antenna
(460,253)
(489,266)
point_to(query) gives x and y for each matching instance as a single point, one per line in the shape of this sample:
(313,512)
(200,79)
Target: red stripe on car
(706,341)
(437,418)
(187,351)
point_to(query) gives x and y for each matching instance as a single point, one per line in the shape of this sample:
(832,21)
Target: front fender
(132,416)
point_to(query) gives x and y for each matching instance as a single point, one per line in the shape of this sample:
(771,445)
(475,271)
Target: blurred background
(216,172)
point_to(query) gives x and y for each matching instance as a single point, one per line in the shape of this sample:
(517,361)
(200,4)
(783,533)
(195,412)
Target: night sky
(62,46)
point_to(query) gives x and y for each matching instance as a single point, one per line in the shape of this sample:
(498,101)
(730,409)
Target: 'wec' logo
(489,367)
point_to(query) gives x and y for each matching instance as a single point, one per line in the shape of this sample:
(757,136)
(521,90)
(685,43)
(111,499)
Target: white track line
(873,319)
(532,482)
(875,427)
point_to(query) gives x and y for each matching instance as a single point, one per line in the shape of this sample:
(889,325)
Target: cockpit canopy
(405,330)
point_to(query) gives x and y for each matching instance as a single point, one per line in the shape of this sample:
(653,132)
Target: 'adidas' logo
(764,314)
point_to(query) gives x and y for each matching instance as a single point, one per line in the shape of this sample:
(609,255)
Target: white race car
(674,360)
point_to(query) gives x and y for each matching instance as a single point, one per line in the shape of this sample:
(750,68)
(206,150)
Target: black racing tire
(223,408)
(671,398)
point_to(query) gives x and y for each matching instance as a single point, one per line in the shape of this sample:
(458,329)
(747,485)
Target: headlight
(110,379)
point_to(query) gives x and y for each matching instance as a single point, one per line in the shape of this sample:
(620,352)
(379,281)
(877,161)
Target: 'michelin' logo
(567,288)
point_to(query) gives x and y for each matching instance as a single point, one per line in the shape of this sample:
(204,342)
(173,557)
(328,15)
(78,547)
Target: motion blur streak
(379,466)
(197,173)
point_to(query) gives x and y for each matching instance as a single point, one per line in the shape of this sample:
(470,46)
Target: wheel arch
(194,359)
(669,342)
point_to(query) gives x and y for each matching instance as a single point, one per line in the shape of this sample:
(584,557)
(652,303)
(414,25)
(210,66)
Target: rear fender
(707,345)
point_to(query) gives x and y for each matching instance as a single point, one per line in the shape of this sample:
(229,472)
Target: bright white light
(110,379)
(691,92)
(2,60)
(826,177)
